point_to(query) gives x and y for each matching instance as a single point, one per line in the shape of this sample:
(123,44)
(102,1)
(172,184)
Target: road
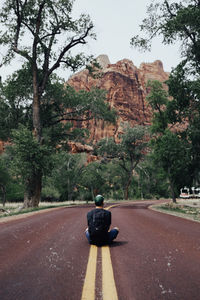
(46,256)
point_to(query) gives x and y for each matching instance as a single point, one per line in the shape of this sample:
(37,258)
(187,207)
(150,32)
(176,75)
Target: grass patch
(184,209)
(13,209)
(175,209)
(180,210)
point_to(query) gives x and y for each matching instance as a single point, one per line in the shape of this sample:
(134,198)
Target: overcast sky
(116,21)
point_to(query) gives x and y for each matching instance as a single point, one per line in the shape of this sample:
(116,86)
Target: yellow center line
(108,283)
(107,208)
(88,292)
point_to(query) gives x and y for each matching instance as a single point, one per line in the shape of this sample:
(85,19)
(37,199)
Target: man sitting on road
(99,221)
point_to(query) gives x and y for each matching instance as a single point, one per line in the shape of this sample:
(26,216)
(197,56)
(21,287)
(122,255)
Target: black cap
(99,200)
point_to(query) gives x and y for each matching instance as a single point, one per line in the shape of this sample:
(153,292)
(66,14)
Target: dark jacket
(99,221)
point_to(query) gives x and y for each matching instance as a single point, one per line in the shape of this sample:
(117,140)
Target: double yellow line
(109,291)
(88,292)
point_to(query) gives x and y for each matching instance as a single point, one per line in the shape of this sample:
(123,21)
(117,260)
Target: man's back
(99,221)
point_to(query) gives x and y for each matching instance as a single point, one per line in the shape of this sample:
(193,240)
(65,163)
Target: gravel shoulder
(184,208)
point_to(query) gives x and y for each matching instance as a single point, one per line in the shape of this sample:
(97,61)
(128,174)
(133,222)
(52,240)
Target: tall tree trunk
(32,194)
(92,192)
(3,188)
(126,193)
(126,189)
(172,192)
(36,108)
(171,184)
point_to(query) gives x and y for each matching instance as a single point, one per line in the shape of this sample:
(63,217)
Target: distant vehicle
(187,193)
(195,192)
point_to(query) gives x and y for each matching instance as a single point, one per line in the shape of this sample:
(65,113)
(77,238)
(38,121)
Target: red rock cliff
(126,91)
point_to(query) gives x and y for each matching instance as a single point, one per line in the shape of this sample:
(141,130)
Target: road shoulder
(186,209)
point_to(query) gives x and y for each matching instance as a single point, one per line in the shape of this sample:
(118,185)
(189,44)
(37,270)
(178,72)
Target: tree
(4,178)
(184,112)
(15,102)
(60,107)
(92,179)
(43,22)
(127,153)
(158,100)
(152,180)
(43,33)
(115,179)
(170,151)
(179,21)
(67,172)
(29,160)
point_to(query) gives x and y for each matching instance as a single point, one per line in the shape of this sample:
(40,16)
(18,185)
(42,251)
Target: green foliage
(42,33)
(157,97)
(4,174)
(66,173)
(4,120)
(60,107)
(108,148)
(130,146)
(152,180)
(185,92)
(184,111)
(133,142)
(126,153)
(27,156)
(34,102)
(171,151)
(172,154)
(92,179)
(178,20)
(14,190)
(15,102)
(11,189)
(47,24)
(50,191)
(158,100)
(4,179)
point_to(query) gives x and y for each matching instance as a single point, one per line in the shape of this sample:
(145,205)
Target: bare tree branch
(74,42)
(169,10)
(18,28)
(70,119)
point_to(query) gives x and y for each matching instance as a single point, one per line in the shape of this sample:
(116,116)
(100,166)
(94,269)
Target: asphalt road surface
(46,257)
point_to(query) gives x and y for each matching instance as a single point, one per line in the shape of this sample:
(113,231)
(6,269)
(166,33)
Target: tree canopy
(43,34)
(173,20)
(127,152)
(177,21)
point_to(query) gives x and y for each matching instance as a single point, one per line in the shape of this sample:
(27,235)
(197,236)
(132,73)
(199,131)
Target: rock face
(126,91)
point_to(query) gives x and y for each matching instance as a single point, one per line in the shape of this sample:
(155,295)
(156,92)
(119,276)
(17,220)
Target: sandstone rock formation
(126,91)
